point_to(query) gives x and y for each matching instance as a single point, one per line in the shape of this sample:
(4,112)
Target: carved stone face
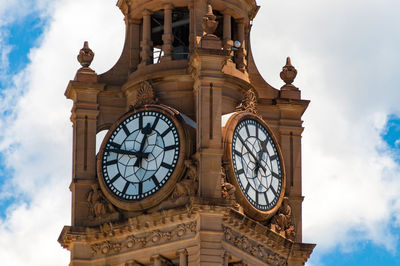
(257,164)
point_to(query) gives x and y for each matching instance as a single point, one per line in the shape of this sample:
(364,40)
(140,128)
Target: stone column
(157,260)
(84,119)
(191,26)
(134,43)
(226,258)
(167,37)
(241,52)
(182,257)
(290,142)
(146,44)
(227,32)
(209,145)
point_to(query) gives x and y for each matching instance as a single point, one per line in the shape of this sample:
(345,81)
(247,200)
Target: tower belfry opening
(201,163)
(173,38)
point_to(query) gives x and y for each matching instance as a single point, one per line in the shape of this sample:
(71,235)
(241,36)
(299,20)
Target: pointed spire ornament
(86,55)
(288,73)
(209,23)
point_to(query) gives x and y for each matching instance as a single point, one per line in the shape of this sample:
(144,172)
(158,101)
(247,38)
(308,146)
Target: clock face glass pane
(256,164)
(140,155)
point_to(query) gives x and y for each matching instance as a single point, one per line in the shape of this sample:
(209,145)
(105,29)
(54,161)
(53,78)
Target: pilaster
(84,118)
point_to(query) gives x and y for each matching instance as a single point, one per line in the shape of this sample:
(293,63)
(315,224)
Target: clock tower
(201,163)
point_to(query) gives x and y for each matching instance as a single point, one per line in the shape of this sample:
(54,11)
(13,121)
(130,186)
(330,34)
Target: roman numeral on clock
(115,178)
(111,162)
(155,181)
(165,165)
(125,130)
(169,147)
(166,132)
(155,123)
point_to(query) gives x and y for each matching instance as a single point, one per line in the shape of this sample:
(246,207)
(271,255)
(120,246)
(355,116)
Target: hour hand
(138,154)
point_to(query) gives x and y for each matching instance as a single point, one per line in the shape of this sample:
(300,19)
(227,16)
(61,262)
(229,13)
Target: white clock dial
(257,164)
(140,155)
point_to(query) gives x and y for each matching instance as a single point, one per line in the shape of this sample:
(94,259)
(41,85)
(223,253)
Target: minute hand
(134,153)
(252,154)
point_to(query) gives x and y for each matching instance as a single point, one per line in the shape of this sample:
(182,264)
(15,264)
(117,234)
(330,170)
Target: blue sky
(346,53)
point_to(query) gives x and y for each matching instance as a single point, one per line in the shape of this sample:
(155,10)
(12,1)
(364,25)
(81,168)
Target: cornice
(258,240)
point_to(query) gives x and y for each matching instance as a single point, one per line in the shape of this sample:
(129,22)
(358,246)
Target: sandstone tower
(201,164)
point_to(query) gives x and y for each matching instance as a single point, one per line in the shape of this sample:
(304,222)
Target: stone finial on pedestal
(288,74)
(209,40)
(209,24)
(86,55)
(85,58)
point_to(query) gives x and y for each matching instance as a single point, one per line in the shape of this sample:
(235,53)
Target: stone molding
(139,227)
(253,248)
(132,242)
(260,241)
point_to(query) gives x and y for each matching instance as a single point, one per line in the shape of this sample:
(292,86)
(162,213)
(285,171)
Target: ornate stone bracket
(249,102)
(282,222)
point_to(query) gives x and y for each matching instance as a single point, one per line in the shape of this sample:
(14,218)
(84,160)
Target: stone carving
(106,247)
(282,221)
(227,189)
(209,24)
(86,55)
(194,66)
(148,239)
(288,73)
(257,250)
(189,184)
(99,206)
(249,102)
(107,229)
(145,95)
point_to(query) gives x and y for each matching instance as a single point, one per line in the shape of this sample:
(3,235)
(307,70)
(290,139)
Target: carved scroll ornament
(249,102)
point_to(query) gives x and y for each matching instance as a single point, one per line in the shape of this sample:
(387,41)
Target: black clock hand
(251,153)
(134,153)
(145,131)
(264,149)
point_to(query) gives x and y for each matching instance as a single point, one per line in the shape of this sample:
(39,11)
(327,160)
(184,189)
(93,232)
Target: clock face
(257,164)
(140,155)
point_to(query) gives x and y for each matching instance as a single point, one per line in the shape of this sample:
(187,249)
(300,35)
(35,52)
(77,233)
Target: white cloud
(397,143)
(347,59)
(36,136)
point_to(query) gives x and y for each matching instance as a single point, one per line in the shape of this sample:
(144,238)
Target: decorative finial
(85,56)
(288,73)
(209,23)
